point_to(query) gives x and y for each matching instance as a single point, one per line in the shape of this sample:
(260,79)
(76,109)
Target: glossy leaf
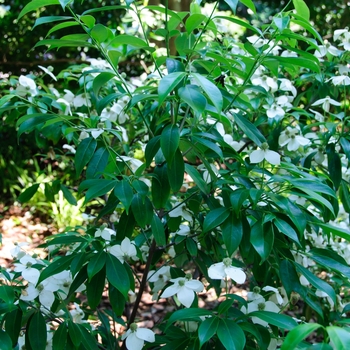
(174,65)
(49,19)
(151,150)
(232,233)
(117,300)
(100,81)
(230,335)
(232,4)
(215,218)
(117,275)
(176,171)
(169,142)
(68,195)
(124,192)
(334,165)
(5,341)
(302,9)
(207,329)
(262,238)
(168,83)
(30,122)
(102,187)
(96,263)
(7,294)
(59,339)
(160,187)
(339,337)
(13,323)
(197,178)
(142,209)
(188,315)
(193,97)
(285,228)
(97,163)
(158,231)
(60,264)
(28,193)
(84,153)
(249,129)
(278,320)
(289,277)
(74,333)
(35,5)
(36,329)
(298,334)
(95,287)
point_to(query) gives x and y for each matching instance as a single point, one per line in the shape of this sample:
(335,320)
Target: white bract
(26,86)
(159,278)
(184,288)
(326,103)
(135,337)
(105,232)
(28,272)
(292,139)
(125,250)
(225,270)
(259,155)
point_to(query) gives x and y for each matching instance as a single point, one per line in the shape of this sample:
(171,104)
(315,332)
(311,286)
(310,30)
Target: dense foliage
(224,167)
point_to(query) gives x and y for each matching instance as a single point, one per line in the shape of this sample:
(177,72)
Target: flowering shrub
(225,169)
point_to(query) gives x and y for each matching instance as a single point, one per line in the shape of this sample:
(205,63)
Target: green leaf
(74,333)
(208,144)
(13,324)
(240,22)
(58,265)
(198,180)
(158,232)
(207,329)
(296,335)
(194,21)
(102,187)
(169,142)
(29,122)
(230,335)
(278,320)
(100,81)
(35,5)
(59,339)
(68,195)
(191,314)
(62,26)
(215,218)
(117,275)
(286,229)
(151,150)
(331,260)
(5,341)
(281,22)
(95,287)
(249,4)
(317,282)
(176,171)
(7,294)
(49,19)
(58,43)
(249,129)
(173,65)
(168,83)
(36,329)
(130,40)
(117,300)
(28,193)
(337,231)
(232,4)
(302,9)
(212,91)
(89,342)
(340,337)
(142,209)
(346,146)
(124,192)
(84,153)
(262,238)
(289,278)
(96,263)
(64,3)
(193,97)
(160,186)
(232,233)
(100,33)
(334,165)
(97,163)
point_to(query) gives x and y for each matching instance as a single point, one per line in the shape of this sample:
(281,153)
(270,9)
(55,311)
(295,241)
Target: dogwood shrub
(222,170)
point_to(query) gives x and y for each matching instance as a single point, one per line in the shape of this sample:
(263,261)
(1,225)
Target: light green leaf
(35,5)
(84,153)
(241,23)
(340,337)
(64,3)
(232,4)
(57,43)
(302,9)
(212,91)
(168,83)
(48,19)
(158,231)
(62,26)
(215,218)
(249,4)
(231,335)
(131,40)
(169,142)
(36,330)
(194,21)
(296,335)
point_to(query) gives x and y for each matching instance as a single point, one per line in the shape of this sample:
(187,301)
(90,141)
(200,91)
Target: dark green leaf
(117,275)
(286,229)
(173,65)
(169,142)
(215,218)
(84,153)
(168,83)
(278,320)
(98,163)
(207,329)
(176,171)
(142,209)
(160,187)
(7,294)
(36,329)
(100,81)
(232,233)
(68,195)
(126,225)
(58,265)
(117,300)
(152,149)
(28,193)
(49,19)
(124,192)
(158,231)
(188,315)
(249,129)
(74,333)
(193,97)
(96,263)
(197,178)
(231,335)
(59,339)
(262,238)
(95,287)
(102,187)
(289,277)
(334,165)
(345,143)
(13,323)
(5,341)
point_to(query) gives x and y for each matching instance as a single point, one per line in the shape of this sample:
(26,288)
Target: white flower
(225,270)
(83,135)
(136,337)
(268,83)
(184,230)
(95,133)
(279,296)
(67,109)
(340,80)
(328,48)
(69,148)
(207,176)
(260,305)
(287,85)
(26,85)
(105,233)
(48,71)
(114,113)
(184,288)
(291,138)
(17,251)
(77,314)
(159,278)
(134,163)
(124,251)
(180,210)
(28,272)
(340,34)
(318,116)
(274,111)
(259,155)
(322,294)
(326,103)
(81,100)
(256,41)
(98,63)
(288,53)
(69,96)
